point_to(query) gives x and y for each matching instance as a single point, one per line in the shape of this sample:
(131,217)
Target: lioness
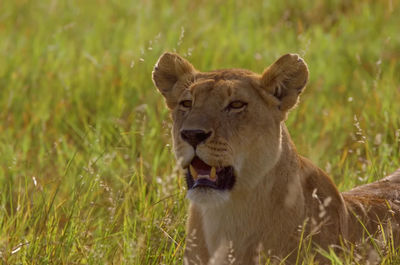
(249,189)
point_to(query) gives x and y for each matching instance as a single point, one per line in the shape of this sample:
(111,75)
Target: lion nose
(194,137)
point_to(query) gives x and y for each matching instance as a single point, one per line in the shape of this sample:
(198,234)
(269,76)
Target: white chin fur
(208,197)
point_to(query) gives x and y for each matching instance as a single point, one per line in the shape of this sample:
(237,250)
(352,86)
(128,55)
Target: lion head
(227,124)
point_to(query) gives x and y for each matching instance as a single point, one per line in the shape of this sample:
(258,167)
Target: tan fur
(276,191)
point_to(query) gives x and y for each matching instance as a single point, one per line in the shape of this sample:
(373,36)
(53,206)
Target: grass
(87,173)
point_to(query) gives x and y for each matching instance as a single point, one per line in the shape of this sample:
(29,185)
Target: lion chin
(251,194)
(208,197)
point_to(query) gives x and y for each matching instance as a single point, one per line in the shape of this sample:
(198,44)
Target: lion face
(227,123)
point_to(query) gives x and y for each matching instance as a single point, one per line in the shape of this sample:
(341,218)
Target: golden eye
(237,104)
(186,103)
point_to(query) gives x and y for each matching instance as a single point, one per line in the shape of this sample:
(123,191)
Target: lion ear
(169,69)
(285,79)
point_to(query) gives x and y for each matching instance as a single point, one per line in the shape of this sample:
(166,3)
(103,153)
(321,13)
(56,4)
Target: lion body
(278,197)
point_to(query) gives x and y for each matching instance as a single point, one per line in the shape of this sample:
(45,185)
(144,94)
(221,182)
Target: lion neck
(282,178)
(278,196)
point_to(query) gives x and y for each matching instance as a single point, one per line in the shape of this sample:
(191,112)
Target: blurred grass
(86,168)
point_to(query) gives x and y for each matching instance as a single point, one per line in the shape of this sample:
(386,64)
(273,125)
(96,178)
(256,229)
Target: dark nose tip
(194,137)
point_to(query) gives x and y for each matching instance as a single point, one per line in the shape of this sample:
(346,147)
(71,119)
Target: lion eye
(186,103)
(237,105)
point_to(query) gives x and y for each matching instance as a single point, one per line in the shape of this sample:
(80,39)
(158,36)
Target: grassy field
(87,174)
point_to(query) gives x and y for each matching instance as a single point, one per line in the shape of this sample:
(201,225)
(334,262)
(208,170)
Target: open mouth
(202,175)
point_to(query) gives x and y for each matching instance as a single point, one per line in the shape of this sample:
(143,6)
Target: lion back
(374,210)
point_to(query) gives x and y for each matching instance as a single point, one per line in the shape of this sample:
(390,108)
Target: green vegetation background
(86,168)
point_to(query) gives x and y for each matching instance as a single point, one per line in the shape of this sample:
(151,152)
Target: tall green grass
(87,172)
